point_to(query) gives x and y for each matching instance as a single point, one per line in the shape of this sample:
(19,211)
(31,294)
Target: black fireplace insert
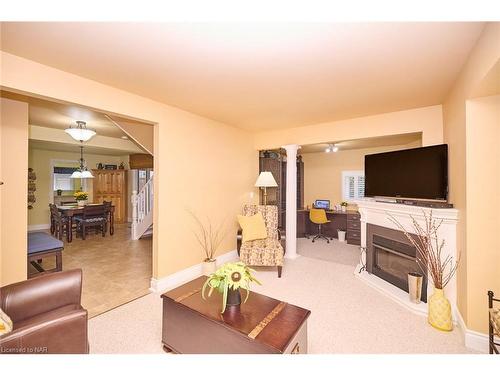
(390,256)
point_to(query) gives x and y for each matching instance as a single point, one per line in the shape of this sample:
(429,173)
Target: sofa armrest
(42,294)
(57,334)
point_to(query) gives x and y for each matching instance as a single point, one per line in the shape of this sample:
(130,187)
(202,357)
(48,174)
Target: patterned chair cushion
(495,321)
(266,252)
(263,252)
(91,220)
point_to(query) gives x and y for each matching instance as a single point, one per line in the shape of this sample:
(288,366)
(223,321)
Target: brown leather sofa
(47,315)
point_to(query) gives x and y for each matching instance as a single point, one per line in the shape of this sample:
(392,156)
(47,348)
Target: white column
(291,201)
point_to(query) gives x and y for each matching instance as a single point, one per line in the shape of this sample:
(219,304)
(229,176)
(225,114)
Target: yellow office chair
(318,216)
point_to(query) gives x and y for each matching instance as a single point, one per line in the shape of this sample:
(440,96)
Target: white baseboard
(188,274)
(473,340)
(35,227)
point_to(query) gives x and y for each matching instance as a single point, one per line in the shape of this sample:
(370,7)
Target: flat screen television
(418,173)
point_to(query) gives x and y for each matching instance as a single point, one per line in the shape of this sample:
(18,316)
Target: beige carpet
(335,251)
(347,315)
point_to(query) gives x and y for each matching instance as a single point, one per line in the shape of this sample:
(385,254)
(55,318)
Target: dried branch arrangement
(429,249)
(208,236)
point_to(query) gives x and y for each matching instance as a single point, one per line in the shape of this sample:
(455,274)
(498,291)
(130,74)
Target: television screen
(418,173)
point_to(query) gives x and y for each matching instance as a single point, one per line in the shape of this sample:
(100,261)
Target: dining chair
(52,225)
(59,223)
(94,216)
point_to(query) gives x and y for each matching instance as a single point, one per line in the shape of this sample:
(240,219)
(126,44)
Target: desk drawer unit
(353,225)
(353,228)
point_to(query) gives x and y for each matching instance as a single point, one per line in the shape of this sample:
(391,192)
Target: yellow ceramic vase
(440,311)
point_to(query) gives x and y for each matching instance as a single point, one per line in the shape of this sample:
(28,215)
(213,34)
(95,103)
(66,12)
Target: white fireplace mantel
(377,213)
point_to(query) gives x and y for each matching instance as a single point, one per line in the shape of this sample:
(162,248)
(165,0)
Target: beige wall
(323,171)
(483,205)
(482,59)
(14,191)
(427,120)
(199,163)
(40,161)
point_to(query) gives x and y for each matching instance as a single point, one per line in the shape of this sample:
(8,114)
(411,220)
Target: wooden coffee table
(261,325)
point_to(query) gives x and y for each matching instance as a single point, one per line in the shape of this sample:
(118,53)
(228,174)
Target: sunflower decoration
(231,276)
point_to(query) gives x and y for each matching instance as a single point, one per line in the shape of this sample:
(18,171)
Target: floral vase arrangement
(210,238)
(430,259)
(228,280)
(81,198)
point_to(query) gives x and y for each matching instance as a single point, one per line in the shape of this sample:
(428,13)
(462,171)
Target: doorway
(116,268)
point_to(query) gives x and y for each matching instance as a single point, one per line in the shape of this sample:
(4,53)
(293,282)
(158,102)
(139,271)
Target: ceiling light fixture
(80,133)
(331,148)
(82,171)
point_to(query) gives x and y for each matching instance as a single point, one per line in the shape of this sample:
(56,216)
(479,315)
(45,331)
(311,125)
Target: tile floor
(116,269)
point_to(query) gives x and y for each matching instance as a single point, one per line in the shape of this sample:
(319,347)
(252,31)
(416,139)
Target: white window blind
(62,182)
(353,185)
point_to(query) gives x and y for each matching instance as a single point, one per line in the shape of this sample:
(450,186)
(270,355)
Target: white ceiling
(260,76)
(354,144)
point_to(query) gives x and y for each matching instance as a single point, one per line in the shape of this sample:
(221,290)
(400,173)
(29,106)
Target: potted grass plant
(210,237)
(228,280)
(441,269)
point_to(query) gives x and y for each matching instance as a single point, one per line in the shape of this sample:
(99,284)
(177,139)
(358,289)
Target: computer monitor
(322,203)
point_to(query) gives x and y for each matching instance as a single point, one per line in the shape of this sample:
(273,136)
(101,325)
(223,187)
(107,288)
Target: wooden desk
(71,211)
(347,221)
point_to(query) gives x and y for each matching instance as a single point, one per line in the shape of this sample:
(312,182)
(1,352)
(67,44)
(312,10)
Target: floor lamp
(265,180)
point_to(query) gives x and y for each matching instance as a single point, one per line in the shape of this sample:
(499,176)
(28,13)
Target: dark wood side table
(262,325)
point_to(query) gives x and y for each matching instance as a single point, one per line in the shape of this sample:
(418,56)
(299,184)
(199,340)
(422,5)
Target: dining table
(73,210)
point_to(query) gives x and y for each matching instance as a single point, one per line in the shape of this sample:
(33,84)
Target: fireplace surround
(390,256)
(379,213)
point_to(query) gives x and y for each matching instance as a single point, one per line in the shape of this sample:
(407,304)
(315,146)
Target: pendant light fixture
(82,171)
(80,133)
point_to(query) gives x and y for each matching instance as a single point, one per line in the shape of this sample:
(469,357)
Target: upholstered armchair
(265,252)
(46,314)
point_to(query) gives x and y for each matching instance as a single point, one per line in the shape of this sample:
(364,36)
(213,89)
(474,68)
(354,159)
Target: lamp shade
(266,179)
(87,174)
(76,174)
(79,134)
